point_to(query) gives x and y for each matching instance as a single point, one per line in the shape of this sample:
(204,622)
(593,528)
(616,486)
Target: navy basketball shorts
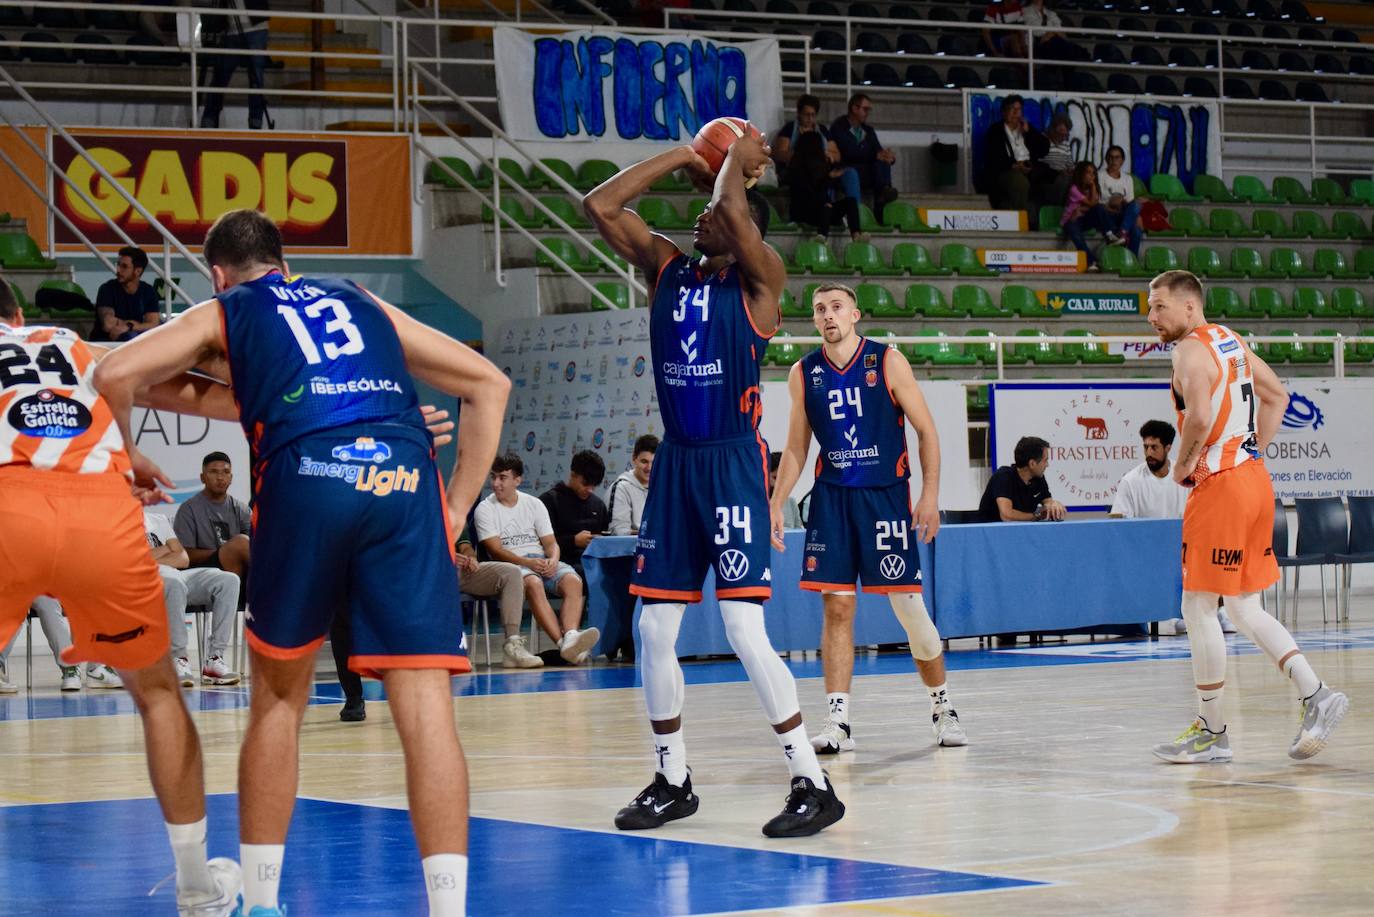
(707,509)
(353,521)
(858,534)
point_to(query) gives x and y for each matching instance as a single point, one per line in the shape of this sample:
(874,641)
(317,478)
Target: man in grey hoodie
(632,487)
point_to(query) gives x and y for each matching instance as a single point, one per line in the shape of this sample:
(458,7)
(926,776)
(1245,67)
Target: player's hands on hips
(148,479)
(775,526)
(438,424)
(926,519)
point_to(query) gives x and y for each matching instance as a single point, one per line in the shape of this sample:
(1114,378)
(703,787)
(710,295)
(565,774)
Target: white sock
(839,707)
(1209,709)
(939,697)
(801,757)
(446,880)
(1304,679)
(670,757)
(261,874)
(188,848)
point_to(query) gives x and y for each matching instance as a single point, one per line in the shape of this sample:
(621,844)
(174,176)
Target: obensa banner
(608,85)
(331,194)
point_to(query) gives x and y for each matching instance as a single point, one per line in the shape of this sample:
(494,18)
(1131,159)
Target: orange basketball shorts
(80,539)
(1228,532)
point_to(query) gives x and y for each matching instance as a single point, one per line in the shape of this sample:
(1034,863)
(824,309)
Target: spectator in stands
(1048,45)
(1004,43)
(125,307)
(1010,147)
(505,582)
(183,587)
(514,527)
(578,515)
(1018,492)
(213,526)
(809,161)
(1117,189)
(59,636)
(791,513)
(631,489)
(246,30)
(867,163)
(1051,176)
(1083,210)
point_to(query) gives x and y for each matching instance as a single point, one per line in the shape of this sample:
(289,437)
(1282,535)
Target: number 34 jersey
(51,417)
(310,354)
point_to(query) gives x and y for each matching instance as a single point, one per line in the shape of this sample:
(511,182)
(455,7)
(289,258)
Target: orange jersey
(51,416)
(1231,440)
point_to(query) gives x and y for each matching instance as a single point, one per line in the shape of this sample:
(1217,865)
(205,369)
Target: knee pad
(910,609)
(659,624)
(1198,608)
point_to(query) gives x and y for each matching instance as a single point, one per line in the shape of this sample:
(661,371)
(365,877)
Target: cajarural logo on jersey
(367,477)
(678,373)
(843,458)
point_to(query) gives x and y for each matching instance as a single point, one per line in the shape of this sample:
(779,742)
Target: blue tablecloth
(979,579)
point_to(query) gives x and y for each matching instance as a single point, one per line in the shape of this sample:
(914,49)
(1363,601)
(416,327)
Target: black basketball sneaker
(661,802)
(807,811)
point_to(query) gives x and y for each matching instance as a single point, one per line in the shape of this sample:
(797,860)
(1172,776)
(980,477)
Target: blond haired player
(1229,406)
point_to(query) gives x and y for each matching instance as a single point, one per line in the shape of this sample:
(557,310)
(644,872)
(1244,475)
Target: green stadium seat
(594,264)
(512,172)
(1330,263)
(1213,189)
(1362,191)
(1350,301)
(926,300)
(1310,301)
(1141,191)
(864,258)
(1364,262)
(1366,349)
(1280,351)
(1159,259)
(1311,353)
(1359,353)
(986,353)
(560,167)
(903,215)
(1023,301)
(816,258)
(593,172)
(869,223)
(1041,353)
(670,184)
(563,249)
(1165,187)
(1270,222)
(1269,301)
(1090,353)
(1250,189)
(787,303)
(940,353)
(617,293)
(1231,224)
(1050,215)
(1224,302)
(976,398)
(913,258)
(1312,226)
(782,354)
(1289,190)
(1327,352)
(977,303)
(516,211)
(1185,222)
(660,213)
(565,210)
(696,207)
(963,260)
(876,300)
(1119,259)
(436,174)
(1248,262)
(1286,262)
(1347,225)
(1205,262)
(1327,191)
(17,250)
(804,309)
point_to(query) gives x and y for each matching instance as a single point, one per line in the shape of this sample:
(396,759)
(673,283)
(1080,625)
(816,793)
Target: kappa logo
(817,376)
(689,347)
(891,566)
(733,565)
(852,437)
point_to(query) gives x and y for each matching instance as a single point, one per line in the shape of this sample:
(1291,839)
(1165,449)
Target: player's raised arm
(764,274)
(907,394)
(1273,400)
(607,206)
(456,369)
(1193,377)
(793,453)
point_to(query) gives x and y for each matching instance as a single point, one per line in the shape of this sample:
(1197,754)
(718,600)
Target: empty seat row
(1250,189)
(1282,264)
(143,50)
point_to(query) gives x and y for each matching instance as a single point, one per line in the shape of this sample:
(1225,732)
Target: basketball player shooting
(710,320)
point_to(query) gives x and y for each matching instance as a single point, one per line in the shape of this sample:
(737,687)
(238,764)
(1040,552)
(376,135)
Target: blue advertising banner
(1180,138)
(604,85)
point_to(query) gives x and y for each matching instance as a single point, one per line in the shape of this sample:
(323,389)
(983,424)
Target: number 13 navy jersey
(860,429)
(310,354)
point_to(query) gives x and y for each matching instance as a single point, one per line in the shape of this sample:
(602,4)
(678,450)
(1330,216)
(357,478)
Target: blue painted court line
(346,859)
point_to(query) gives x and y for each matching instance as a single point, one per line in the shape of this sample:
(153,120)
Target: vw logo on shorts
(891,566)
(733,565)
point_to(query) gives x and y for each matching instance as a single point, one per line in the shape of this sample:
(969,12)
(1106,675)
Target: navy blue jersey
(310,354)
(706,354)
(860,428)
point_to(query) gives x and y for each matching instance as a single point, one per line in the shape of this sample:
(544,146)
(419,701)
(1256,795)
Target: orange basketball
(713,141)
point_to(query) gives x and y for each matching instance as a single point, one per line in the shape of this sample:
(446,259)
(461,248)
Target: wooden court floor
(1056,807)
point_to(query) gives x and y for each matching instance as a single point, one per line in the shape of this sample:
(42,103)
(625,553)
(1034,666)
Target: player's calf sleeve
(663,683)
(772,680)
(1205,637)
(1273,638)
(910,609)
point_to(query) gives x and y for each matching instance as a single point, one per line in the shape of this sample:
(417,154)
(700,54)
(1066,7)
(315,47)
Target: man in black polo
(125,307)
(1019,493)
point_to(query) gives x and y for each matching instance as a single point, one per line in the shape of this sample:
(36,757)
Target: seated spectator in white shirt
(631,489)
(183,586)
(1118,196)
(505,582)
(59,636)
(1148,491)
(514,527)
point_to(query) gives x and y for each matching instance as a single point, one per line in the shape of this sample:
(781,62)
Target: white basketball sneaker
(948,732)
(184,673)
(515,654)
(217,672)
(102,676)
(228,878)
(833,738)
(1320,714)
(1196,745)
